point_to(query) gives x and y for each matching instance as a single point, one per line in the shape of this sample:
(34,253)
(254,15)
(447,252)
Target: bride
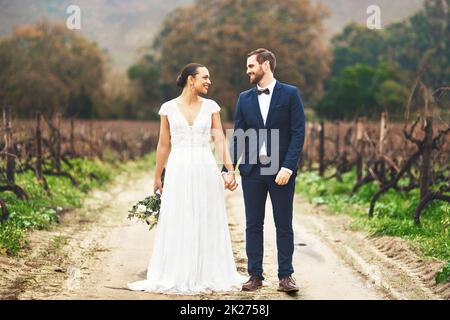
(192,251)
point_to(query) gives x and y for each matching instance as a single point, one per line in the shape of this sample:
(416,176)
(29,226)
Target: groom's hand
(282,177)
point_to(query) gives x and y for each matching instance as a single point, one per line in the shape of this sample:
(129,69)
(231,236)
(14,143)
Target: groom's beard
(257,78)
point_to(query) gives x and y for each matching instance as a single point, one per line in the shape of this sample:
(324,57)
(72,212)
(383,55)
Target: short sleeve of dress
(214,106)
(164,110)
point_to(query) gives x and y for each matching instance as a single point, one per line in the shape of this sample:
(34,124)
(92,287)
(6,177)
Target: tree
(424,35)
(406,43)
(361,90)
(391,96)
(419,42)
(145,75)
(49,68)
(357,44)
(219,34)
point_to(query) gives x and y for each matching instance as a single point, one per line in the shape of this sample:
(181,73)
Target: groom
(272,113)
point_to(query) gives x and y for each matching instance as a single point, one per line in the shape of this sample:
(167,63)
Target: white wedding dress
(192,251)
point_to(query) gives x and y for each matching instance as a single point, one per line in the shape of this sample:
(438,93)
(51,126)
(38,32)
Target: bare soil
(95,251)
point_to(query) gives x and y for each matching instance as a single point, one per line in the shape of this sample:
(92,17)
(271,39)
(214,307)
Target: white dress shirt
(264,104)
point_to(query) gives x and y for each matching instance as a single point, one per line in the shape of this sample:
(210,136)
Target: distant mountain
(124,26)
(119,26)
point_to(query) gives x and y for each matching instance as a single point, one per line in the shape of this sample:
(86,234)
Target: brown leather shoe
(287,284)
(253,284)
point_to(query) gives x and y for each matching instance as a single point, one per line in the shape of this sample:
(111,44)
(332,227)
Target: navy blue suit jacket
(286,113)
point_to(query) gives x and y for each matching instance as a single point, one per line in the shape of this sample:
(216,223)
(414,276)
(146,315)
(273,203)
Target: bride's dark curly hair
(188,70)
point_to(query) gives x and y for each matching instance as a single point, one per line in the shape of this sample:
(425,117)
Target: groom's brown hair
(264,55)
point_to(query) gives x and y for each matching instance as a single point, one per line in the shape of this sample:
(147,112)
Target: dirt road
(96,251)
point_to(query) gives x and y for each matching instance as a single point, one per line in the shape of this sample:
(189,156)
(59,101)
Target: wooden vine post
(9,146)
(359,147)
(425,167)
(321,130)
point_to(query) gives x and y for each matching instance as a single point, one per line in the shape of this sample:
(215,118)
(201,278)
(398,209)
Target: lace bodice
(181,133)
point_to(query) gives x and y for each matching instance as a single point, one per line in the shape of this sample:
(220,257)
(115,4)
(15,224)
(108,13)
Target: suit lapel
(273,101)
(257,109)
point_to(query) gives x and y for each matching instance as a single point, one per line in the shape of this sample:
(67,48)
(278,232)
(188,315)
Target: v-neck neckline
(184,118)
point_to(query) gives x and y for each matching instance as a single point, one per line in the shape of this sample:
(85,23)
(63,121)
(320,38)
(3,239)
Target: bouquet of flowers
(147,210)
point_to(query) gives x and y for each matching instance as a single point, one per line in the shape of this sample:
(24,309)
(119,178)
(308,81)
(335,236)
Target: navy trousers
(256,187)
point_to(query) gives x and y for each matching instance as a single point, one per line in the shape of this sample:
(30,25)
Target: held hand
(226,183)
(282,177)
(157,185)
(232,184)
(229,181)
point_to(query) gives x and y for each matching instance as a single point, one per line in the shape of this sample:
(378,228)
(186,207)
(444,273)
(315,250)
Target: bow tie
(266,91)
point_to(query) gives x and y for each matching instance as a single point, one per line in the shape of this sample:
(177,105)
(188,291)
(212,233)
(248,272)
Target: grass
(444,275)
(59,242)
(393,215)
(41,211)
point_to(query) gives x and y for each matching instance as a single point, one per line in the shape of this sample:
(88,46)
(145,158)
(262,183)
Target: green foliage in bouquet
(147,210)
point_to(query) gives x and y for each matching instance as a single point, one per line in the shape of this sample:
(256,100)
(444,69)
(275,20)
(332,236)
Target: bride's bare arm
(220,141)
(222,150)
(162,152)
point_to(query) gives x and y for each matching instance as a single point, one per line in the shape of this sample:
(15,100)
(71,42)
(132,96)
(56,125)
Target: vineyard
(377,160)
(61,150)
(395,156)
